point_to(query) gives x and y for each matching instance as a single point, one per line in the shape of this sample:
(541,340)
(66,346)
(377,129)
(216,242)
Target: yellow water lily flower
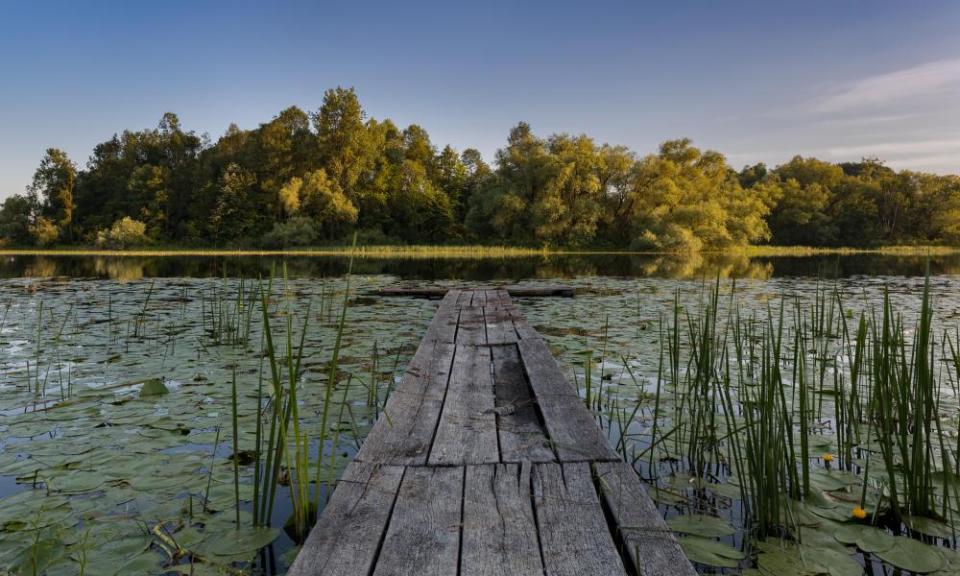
(859,513)
(828,458)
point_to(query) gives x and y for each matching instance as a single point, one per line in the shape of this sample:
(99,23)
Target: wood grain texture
(467,432)
(423,538)
(500,329)
(499,530)
(479,299)
(641,531)
(443,327)
(439,292)
(486,462)
(347,538)
(466,296)
(523,328)
(472,329)
(404,433)
(574,536)
(572,431)
(522,436)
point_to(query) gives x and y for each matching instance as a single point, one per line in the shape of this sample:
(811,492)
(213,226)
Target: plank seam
(536,517)
(446,389)
(496,415)
(619,540)
(463,496)
(541,419)
(386,525)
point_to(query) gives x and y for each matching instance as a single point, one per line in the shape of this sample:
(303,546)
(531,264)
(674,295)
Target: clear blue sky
(759,81)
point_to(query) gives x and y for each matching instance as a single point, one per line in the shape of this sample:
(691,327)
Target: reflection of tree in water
(41,268)
(122,269)
(504,269)
(712,266)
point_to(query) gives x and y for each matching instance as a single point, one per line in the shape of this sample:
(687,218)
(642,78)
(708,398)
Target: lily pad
(711,552)
(913,555)
(875,540)
(929,526)
(153,387)
(701,525)
(239,542)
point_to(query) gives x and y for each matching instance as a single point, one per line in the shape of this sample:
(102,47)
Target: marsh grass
(744,402)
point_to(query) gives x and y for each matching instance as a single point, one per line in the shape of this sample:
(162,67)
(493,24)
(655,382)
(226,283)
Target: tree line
(305,179)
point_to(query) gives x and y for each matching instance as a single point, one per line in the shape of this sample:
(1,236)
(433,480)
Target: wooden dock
(487,463)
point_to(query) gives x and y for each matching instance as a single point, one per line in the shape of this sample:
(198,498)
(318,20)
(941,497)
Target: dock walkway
(486,462)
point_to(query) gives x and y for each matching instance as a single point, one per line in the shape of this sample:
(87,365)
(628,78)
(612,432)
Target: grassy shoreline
(479,251)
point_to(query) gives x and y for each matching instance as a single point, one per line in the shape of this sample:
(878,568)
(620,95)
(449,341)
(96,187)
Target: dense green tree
(16,214)
(685,200)
(302,178)
(52,186)
(322,200)
(346,149)
(235,214)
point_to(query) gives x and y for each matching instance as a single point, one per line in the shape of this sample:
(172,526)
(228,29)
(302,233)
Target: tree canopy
(304,178)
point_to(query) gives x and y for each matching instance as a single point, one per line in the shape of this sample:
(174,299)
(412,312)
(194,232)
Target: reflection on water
(130,268)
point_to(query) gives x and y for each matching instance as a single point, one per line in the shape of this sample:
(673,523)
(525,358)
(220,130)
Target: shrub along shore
(477,251)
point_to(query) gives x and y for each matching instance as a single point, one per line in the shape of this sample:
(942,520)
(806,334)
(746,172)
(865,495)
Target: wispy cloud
(869,120)
(898,149)
(943,163)
(931,78)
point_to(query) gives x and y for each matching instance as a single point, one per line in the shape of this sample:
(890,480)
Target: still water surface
(88,463)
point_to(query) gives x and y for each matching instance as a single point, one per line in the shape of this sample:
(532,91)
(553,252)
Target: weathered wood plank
(641,531)
(404,433)
(500,328)
(347,537)
(499,530)
(524,330)
(571,428)
(479,298)
(522,436)
(518,291)
(466,296)
(423,538)
(503,467)
(467,433)
(472,330)
(574,536)
(443,327)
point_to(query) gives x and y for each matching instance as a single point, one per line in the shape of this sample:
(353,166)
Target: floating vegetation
(810,431)
(130,417)
(757,412)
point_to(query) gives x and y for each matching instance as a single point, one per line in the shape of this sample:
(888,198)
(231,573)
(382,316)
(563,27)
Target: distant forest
(308,179)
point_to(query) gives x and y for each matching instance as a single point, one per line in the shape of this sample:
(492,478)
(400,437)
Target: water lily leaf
(820,539)
(913,555)
(837,563)
(701,525)
(666,496)
(153,387)
(37,557)
(929,526)
(724,489)
(875,540)
(847,534)
(830,480)
(711,552)
(830,513)
(240,542)
(77,482)
(787,562)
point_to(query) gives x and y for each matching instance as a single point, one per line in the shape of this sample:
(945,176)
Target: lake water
(493,269)
(102,473)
